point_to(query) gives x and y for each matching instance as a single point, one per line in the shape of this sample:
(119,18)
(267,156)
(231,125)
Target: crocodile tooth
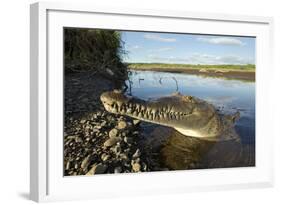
(129,110)
(158,116)
(119,104)
(145,115)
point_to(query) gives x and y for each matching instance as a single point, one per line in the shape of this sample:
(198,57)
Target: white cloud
(158,38)
(222,41)
(206,59)
(161,49)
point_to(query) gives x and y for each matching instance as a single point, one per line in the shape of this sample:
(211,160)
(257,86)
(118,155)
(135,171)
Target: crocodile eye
(188,98)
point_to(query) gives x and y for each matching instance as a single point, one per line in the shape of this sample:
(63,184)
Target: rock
(85,162)
(136,154)
(97,169)
(104,157)
(121,125)
(118,170)
(136,160)
(136,122)
(82,121)
(113,133)
(78,139)
(136,167)
(128,140)
(144,166)
(111,141)
(98,127)
(71,137)
(117,149)
(135,133)
(67,166)
(123,157)
(103,123)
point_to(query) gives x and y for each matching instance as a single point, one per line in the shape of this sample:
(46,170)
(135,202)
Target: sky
(150,47)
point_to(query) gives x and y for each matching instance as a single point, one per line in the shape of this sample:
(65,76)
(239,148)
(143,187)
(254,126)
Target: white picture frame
(47,182)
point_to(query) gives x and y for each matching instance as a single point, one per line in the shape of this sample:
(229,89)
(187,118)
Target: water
(227,95)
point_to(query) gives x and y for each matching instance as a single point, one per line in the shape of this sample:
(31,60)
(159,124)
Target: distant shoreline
(247,74)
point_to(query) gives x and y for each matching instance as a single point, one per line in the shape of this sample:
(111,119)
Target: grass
(94,51)
(151,66)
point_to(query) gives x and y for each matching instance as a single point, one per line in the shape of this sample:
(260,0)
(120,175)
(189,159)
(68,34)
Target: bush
(94,51)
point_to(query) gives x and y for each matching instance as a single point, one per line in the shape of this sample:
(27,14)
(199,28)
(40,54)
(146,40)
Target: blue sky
(148,47)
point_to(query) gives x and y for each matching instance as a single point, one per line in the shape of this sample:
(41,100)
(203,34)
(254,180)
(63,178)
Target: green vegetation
(97,52)
(151,66)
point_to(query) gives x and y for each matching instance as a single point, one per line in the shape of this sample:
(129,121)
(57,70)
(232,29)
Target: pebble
(136,154)
(71,137)
(136,122)
(111,141)
(118,170)
(78,139)
(113,133)
(128,140)
(82,121)
(116,149)
(97,169)
(85,162)
(136,167)
(67,166)
(103,123)
(122,125)
(124,157)
(144,166)
(98,127)
(104,157)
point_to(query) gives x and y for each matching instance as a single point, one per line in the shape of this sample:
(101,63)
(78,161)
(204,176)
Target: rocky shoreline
(95,141)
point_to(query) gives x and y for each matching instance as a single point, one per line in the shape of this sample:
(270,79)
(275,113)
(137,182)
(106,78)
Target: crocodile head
(187,114)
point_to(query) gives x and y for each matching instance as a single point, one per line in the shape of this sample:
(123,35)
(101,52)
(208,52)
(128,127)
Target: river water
(227,95)
(175,151)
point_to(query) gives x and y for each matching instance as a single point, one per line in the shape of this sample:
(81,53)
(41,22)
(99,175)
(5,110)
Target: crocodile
(188,115)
